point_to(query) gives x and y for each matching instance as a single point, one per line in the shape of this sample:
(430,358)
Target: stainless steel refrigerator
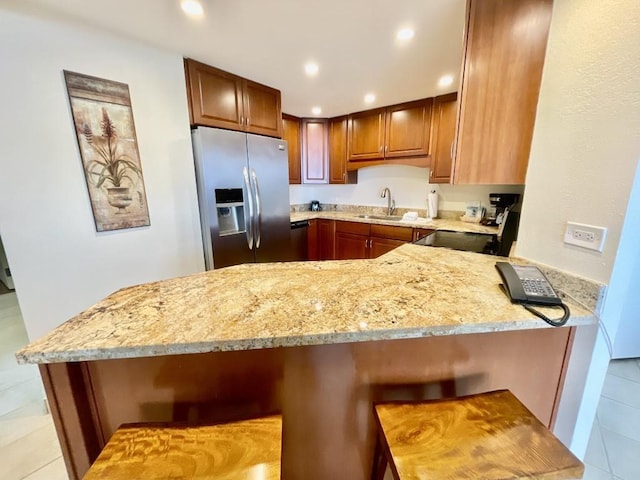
(243,192)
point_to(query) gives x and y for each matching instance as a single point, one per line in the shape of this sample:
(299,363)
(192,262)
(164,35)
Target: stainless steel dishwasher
(299,234)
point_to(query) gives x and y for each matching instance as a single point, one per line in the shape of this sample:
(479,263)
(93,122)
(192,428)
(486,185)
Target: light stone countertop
(413,291)
(436,223)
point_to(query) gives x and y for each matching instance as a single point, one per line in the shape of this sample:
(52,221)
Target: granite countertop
(413,291)
(436,223)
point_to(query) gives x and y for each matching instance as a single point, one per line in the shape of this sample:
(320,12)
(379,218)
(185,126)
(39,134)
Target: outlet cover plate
(585,236)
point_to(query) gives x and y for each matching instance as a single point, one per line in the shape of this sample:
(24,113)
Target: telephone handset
(527,285)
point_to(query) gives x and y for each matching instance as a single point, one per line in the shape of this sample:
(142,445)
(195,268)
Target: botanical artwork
(106,135)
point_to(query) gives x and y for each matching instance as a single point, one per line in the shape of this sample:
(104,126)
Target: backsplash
(364,209)
(409,188)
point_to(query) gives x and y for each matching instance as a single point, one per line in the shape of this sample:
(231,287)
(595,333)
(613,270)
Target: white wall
(586,145)
(60,265)
(587,136)
(409,188)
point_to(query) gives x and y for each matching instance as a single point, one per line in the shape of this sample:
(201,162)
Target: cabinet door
(215,96)
(338,152)
(350,246)
(380,246)
(407,129)
(421,232)
(366,135)
(314,151)
(326,239)
(445,110)
(312,240)
(262,109)
(501,79)
(291,133)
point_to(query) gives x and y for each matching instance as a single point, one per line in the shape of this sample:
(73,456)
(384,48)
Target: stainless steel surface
(391,218)
(235,160)
(391,204)
(248,218)
(299,238)
(268,159)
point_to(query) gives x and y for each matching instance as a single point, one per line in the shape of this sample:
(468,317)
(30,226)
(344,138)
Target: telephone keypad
(538,287)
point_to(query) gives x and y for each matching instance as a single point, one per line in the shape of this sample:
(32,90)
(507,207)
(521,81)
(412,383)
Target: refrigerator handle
(248,219)
(258,208)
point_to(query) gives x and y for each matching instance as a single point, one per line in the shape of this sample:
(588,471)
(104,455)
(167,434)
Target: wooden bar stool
(489,436)
(233,451)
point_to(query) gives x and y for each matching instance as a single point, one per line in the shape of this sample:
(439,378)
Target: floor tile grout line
(40,468)
(626,437)
(619,401)
(604,447)
(623,378)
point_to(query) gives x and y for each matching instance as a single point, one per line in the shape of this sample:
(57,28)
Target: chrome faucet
(391,204)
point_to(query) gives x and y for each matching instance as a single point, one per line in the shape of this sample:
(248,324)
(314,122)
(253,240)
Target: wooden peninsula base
(324,392)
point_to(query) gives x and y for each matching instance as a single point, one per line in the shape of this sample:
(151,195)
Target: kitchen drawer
(353,227)
(393,232)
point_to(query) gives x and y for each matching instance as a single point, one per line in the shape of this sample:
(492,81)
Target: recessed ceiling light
(316,110)
(192,7)
(311,68)
(369,98)
(405,34)
(445,80)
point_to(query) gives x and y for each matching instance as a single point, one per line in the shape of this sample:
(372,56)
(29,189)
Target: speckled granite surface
(412,291)
(441,224)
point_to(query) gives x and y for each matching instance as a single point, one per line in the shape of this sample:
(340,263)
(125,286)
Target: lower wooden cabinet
(326,239)
(312,240)
(351,246)
(354,240)
(380,246)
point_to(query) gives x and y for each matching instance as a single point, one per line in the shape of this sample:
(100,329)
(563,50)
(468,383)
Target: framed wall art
(106,134)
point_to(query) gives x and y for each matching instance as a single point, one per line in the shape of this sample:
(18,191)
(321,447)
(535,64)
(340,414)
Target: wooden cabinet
(312,240)
(443,134)
(421,232)
(291,132)
(356,240)
(338,152)
(224,100)
(315,151)
(395,132)
(326,239)
(504,56)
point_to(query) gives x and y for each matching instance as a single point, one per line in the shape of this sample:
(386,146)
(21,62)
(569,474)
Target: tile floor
(29,447)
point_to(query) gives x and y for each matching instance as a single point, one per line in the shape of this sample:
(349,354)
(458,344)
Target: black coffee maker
(503,203)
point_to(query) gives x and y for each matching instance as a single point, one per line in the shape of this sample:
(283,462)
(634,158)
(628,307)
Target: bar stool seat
(242,450)
(489,436)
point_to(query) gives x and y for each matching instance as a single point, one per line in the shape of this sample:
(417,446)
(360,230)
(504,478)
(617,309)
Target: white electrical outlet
(586,236)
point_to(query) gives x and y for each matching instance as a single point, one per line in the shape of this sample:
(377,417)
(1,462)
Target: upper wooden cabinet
(291,132)
(504,56)
(221,99)
(395,132)
(443,133)
(315,150)
(338,152)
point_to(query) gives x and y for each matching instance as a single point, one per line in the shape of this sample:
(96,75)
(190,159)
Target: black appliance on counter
(487,243)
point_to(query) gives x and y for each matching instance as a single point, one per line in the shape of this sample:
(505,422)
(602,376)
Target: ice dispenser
(230,210)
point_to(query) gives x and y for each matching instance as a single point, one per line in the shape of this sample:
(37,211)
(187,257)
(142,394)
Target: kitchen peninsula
(318,341)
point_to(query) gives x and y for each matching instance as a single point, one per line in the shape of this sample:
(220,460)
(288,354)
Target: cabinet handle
(380,149)
(248,121)
(242,121)
(431,172)
(386,148)
(451,150)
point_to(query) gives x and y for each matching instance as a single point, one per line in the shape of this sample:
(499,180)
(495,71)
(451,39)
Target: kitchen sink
(390,218)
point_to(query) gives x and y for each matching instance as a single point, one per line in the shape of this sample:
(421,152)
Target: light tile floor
(29,448)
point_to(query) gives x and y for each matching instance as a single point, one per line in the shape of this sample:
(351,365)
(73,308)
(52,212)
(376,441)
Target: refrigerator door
(269,169)
(224,196)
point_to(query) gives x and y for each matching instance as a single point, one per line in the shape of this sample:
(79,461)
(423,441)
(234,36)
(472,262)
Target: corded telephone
(527,285)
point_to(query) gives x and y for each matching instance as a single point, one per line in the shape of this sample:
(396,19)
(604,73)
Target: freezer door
(224,196)
(269,169)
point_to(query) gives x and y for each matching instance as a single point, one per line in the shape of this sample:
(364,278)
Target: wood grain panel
(353,227)
(216,96)
(392,231)
(291,132)
(445,114)
(366,135)
(243,450)
(380,246)
(324,392)
(262,109)
(338,153)
(421,232)
(312,240)
(315,151)
(491,436)
(407,129)
(326,239)
(506,45)
(350,246)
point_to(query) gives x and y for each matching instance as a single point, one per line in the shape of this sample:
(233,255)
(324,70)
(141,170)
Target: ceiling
(353,41)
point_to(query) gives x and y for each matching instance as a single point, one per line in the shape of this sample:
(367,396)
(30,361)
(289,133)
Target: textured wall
(60,265)
(586,142)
